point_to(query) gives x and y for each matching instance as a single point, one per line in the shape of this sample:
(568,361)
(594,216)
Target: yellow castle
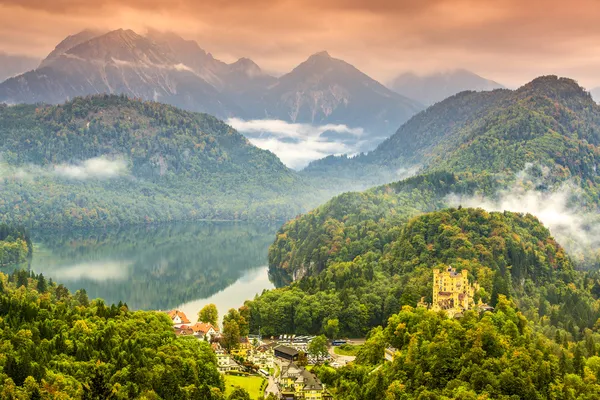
(452,291)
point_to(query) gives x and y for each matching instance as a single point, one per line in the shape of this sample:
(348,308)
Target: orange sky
(510,41)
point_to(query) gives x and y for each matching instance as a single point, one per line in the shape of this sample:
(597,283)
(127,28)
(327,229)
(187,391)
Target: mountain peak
(320,54)
(246,66)
(124,34)
(69,42)
(555,87)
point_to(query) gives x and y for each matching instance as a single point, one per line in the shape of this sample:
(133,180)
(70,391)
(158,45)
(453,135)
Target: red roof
(176,313)
(204,327)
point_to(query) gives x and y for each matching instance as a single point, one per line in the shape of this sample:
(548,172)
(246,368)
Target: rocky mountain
(429,89)
(118,62)
(167,68)
(12,65)
(326,90)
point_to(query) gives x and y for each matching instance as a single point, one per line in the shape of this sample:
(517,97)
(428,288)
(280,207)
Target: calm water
(161,267)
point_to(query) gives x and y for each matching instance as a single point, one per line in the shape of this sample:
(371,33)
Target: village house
(389,353)
(178,318)
(243,347)
(184,330)
(205,331)
(263,356)
(296,383)
(225,363)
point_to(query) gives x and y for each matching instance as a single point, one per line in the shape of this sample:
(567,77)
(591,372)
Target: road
(341,360)
(272,388)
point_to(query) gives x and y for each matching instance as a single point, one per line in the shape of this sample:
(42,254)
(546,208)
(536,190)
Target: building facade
(452,291)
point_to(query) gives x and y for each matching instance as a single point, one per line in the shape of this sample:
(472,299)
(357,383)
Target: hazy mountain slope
(167,68)
(429,89)
(325,90)
(110,160)
(501,130)
(12,65)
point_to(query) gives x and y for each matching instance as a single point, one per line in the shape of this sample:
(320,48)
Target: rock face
(167,68)
(430,89)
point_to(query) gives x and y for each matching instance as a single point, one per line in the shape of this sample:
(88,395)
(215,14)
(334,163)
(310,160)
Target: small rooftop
(290,351)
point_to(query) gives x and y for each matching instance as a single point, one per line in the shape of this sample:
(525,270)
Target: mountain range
(167,68)
(429,89)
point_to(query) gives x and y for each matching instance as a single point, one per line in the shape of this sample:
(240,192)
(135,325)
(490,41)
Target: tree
(241,321)
(332,328)
(209,314)
(318,347)
(238,394)
(231,335)
(42,285)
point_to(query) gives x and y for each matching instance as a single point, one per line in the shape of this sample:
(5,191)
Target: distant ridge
(13,65)
(429,89)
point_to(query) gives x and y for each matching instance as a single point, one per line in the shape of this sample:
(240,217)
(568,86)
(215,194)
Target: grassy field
(347,350)
(250,383)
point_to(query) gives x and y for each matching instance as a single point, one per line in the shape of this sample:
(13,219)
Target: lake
(161,267)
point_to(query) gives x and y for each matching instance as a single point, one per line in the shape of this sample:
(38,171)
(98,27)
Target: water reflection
(162,266)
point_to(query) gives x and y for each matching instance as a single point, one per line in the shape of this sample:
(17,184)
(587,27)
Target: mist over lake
(160,267)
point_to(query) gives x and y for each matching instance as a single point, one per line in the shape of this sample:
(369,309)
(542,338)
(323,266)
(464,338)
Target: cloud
(559,209)
(95,271)
(381,37)
(298,144)
(98,167)
(283,128)
(93,168)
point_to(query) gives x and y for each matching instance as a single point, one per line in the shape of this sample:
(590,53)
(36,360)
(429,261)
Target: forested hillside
(538,138)
(15,245)
(57,345)
(374,270)
(105,160)
(551,122)
(363,260)
(501,355)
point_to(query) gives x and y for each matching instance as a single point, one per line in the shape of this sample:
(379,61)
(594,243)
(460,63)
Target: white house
(178,318)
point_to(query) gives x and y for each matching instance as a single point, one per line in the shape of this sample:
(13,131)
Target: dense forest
(57,345)
(372,274)
(500,355)
(109,160)
(15,245)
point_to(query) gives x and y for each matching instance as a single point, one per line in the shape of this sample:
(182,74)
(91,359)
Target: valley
(174,226)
